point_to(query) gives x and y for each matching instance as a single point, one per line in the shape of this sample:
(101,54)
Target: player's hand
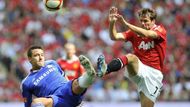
(112,14)
(120,18)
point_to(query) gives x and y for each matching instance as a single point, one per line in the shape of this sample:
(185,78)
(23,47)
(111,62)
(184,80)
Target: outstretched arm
(114,35)
(140,31)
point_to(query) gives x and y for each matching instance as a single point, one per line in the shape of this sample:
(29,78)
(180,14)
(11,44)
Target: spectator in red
(70,64)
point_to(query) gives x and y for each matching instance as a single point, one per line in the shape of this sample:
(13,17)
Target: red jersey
(150,51)
(72,68)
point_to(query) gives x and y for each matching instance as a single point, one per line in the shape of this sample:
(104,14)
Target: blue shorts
(64,97)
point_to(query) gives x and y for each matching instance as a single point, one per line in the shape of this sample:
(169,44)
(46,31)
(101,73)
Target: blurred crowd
(85,23)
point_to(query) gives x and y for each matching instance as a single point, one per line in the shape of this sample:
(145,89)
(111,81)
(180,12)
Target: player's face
(146,22)
(37,58)
(70,49)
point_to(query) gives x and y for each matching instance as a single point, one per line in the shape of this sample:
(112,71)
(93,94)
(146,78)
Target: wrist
(112,22)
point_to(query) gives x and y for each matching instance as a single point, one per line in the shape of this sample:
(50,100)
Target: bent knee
(132,58)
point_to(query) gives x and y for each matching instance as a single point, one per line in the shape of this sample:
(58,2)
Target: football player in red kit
(70,64)
(144,66)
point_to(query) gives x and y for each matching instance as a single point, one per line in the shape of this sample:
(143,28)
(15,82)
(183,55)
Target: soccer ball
(53,5)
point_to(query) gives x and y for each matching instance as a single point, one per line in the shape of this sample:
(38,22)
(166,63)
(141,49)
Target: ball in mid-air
(53,5)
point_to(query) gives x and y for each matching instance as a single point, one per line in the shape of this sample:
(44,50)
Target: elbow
(151,35)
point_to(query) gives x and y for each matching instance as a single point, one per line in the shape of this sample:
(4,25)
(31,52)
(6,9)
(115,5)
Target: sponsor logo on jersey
(50,69)
(147,45)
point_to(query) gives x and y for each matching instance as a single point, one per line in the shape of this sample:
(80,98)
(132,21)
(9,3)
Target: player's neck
(153,26)
(35,69)
(72,58)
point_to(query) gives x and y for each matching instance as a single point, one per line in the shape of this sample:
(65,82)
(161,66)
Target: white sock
(86,80)
(38,105)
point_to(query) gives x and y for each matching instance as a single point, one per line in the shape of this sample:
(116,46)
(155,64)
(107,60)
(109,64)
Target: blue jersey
(48,82)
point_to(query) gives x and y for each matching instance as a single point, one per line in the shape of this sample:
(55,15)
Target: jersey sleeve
(128,35)
(54,63)
(27,96)
(161,32)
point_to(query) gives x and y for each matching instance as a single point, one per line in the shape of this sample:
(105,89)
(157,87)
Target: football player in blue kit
(47,83)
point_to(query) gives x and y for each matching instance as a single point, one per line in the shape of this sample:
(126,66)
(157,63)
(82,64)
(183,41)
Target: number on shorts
(156,90)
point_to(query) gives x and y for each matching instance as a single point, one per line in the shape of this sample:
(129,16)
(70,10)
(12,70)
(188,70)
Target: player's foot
(87,65)
(101,66)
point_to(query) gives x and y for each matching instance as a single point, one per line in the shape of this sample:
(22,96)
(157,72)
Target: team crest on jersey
(75,66)
(49,66)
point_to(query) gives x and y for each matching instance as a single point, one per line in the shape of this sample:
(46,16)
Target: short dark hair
(147,11)
(29,52)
